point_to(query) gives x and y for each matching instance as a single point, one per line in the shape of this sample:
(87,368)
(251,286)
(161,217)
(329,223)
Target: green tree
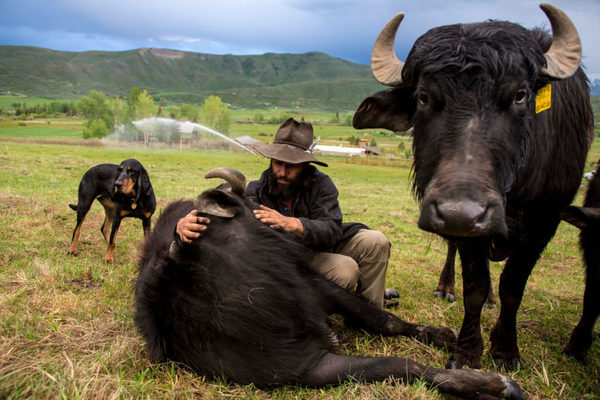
(190,111)
(131,100)
(144,107)
(95,128)
(95,108)
(216,114)
(118,109)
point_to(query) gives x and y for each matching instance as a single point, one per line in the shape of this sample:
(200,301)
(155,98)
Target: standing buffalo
(241,303)
(502,126)
(587,218)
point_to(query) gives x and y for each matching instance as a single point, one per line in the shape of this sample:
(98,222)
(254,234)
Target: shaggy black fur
(240,303)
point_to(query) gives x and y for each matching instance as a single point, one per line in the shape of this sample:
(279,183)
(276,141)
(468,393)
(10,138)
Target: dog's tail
(73,206)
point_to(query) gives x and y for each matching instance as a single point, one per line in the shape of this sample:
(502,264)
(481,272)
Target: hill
(310,80)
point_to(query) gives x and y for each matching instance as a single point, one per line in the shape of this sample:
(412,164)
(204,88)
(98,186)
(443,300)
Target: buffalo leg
(445,286)
(476,286)
(363,315)
(513,279)
(467,383)
(583,334)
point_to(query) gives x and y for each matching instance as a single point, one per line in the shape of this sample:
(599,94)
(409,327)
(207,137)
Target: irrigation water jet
(156,126)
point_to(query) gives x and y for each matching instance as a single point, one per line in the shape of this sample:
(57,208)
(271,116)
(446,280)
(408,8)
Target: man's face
(286,173)
(285,179)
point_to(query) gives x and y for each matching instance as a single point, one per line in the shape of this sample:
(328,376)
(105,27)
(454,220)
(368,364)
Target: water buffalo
(587,218)
(502,126)
(240,303)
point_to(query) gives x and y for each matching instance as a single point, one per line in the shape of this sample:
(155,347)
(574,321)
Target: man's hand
(191,226)
(277,221)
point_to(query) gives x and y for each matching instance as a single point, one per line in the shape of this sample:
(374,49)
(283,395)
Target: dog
(124,190)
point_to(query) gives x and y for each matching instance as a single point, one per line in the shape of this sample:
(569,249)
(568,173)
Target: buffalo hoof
(441,295)
(513,390)
(577,352)
(461,360)
(390,303)
(443,338)
(513,364)
(390,293)
(580,342)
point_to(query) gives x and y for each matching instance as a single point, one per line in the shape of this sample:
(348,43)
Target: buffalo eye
(521,96)
(422,97)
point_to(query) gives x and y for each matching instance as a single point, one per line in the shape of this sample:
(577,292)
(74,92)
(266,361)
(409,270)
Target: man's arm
(323,224)
(277,221)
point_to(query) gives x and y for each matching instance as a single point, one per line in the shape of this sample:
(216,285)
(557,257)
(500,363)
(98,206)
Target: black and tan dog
(124,190)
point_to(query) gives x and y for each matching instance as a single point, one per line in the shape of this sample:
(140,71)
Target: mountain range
(311,80)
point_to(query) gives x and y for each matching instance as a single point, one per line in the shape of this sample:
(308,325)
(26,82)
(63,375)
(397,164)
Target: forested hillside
(310,80)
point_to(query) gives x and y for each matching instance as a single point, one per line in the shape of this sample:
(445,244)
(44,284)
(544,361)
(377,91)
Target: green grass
(66,326)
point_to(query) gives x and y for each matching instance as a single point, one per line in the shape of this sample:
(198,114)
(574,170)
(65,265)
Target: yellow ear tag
(133,206)
(543,99)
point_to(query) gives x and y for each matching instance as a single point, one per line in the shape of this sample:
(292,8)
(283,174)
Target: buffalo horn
(563,57)
(386,66)
(236,179)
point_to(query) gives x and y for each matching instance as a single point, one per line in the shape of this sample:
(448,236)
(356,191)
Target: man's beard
(285,191)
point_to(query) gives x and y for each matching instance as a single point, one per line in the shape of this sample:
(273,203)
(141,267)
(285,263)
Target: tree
(144,106)
(95,108)
(118,109)
(95,128)
(216,114)
(190,111)
(132,99)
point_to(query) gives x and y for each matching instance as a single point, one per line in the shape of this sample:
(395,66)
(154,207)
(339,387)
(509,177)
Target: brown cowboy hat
(293,144)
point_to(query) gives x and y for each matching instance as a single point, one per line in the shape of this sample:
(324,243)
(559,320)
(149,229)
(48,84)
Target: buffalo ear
(218,202)
(581,217)
(390,109)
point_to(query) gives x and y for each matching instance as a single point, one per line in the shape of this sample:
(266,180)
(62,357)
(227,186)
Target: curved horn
(236,179)
(386,66)
(563,57)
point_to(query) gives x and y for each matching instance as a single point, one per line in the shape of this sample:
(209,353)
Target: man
(296,197)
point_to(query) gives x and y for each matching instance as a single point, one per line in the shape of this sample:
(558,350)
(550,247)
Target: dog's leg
(110,249)
(109,214)
(82,209)
(467,383)
(146,224)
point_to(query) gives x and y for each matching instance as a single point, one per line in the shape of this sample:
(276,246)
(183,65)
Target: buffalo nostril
(462,214)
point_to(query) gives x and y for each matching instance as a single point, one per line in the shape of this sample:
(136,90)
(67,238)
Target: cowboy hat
(293,144)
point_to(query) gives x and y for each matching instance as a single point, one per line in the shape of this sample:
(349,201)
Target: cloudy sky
(341,28)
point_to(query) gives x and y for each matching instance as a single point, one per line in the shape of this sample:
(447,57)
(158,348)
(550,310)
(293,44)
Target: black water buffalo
(502,126)
(587,218)
(240,303)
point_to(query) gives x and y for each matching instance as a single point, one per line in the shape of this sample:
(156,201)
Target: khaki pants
(358,264)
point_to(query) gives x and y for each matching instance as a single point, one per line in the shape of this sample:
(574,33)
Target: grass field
(66,326)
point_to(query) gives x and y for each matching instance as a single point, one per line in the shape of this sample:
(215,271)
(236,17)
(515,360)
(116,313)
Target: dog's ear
(146,186)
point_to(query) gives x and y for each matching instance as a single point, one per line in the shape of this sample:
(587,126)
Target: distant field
(71,128)
(7,100)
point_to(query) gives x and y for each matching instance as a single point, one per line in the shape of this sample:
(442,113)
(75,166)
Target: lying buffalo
(587,218)
(502,126)
(240,303)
